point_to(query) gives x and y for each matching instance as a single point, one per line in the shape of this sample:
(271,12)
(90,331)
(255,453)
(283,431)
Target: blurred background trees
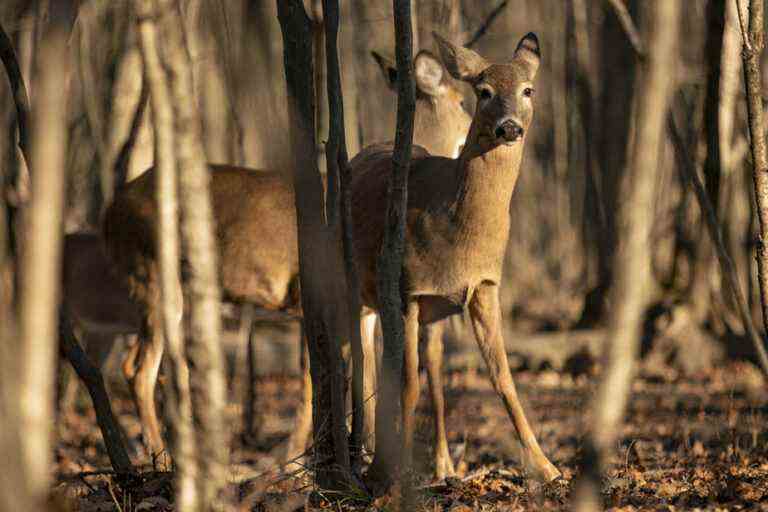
(565,209)
(560,267)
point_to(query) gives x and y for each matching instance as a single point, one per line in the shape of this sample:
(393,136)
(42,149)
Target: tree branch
(483,28)
(628,25)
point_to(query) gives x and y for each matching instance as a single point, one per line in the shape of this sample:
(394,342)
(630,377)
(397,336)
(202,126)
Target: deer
(250,207)
(457,215)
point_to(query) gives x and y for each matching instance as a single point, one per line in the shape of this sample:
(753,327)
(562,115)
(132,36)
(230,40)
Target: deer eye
(484,93)
(528,92)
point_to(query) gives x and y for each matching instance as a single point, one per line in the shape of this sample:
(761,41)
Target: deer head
(441,122)
(504,91)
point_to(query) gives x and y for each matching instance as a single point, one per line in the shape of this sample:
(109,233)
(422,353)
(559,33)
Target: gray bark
(203,348)
(39,265)
(187,497)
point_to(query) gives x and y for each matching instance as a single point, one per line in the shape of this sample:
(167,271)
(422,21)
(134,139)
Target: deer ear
(528,53)
(388,68)
(462,63)
(429,73)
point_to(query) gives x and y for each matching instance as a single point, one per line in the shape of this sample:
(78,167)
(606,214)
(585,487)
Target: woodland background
(699,378)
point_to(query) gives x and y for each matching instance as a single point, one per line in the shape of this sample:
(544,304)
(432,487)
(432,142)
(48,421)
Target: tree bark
(187,497)
(41,249)
(323,280)
(341,221)
(633,259)
(753,46)
(390,261)
(203,348)
(617,68)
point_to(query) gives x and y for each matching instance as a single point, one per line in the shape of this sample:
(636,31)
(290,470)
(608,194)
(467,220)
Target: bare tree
(203,350)
(632,260)
(340,216)
(322,275)
(390,260)
(752,32)
(39,264)
(187,497)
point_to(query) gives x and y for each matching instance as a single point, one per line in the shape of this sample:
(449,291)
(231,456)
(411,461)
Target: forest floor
(694,442)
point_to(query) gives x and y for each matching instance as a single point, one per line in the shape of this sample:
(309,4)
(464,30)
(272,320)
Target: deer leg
(131,358)
(434,363)
(297,441)
(368,335)
(143,383)
(485,312)
(410,393)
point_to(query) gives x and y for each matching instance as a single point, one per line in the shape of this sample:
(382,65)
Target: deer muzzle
(508,130)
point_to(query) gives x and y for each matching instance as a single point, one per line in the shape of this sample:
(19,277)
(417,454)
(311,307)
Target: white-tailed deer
(256,229)
(457,231)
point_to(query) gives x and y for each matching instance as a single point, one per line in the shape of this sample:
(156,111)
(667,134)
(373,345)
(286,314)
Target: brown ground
(694,442)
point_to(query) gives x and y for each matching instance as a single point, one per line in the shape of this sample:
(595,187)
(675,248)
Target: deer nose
(508,130)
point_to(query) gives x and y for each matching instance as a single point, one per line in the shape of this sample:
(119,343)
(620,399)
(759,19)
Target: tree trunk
(753,46)
(203,348)
(340,216)
(390,261)
(323,280)
(617,68)
(632,260)
(187,497)
(40,263)
(703,281)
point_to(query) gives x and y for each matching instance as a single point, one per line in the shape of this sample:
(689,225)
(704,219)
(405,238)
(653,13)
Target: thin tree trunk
(187,497)
(203,348)
(338,171)
(40,263)
(703,282)
(633,258)
(390,261)
(753,46)
(618,71)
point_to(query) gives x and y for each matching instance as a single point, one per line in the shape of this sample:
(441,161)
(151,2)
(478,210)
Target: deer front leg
(410,393)
(434,363)
(144,380)
(368,335)
(485,312)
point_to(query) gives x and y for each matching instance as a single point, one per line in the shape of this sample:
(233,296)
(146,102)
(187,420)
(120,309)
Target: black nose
(509,131)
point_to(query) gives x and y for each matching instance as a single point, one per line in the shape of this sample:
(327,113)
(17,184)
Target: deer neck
(486,182)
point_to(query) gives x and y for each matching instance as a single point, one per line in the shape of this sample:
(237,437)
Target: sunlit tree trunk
(40,255)
(187,498)
(632,261)
(203,348)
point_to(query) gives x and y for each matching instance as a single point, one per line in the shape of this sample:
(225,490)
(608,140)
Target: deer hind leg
(434,363)
(297,441)
(142,377)
(368,335)
(410,393)
(486,320)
